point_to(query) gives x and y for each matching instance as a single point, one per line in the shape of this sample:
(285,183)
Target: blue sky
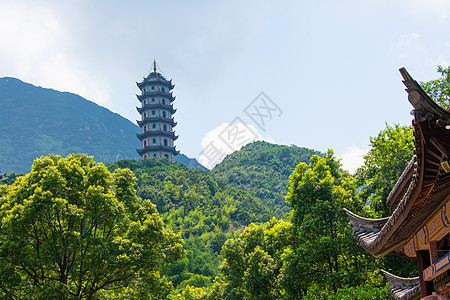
(331,67)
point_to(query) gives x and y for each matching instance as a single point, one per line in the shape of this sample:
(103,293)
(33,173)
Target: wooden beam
(434,270)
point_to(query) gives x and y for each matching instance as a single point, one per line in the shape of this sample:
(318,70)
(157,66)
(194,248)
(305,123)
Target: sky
(316,74)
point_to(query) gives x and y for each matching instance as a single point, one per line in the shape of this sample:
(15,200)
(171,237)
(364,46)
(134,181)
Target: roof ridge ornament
(405,74)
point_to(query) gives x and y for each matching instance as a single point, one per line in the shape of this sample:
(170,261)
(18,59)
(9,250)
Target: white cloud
(225,139)
(36,46)
(352,158)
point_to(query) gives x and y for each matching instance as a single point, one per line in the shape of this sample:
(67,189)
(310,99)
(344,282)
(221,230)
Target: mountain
(36,121)
(264,169)
(189,162)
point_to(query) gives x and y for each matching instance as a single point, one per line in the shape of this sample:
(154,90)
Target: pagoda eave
(168,134)
(146,95)
(170,121)
(161,148)
(155,77)
(156,106)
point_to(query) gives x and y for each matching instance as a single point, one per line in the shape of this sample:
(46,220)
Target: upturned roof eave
(402,288)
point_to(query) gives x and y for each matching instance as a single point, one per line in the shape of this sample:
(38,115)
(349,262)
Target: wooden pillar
(423,262)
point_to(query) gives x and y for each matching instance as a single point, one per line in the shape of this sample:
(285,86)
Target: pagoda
(419,226)
(157,136)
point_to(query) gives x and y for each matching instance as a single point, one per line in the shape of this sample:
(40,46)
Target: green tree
(205,210)
(391,151)
(70,228)
(251,262)
(439,89)
(324,250)
(314,246)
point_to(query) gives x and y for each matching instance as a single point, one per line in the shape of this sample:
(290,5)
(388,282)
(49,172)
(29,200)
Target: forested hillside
(264,169)
(36,121)
(239,244)
(207,209)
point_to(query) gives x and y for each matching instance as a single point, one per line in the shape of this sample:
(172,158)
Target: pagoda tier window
(162,89)
(153,100)
(166,156)
(145,143)
(154,155)
(153,88)
(165,142)
(164,114)
(153,112)
(153,126)
(164,101)
(165,127)
(154,141)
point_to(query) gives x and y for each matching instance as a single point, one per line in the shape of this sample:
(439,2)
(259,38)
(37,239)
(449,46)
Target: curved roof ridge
(398,279)
(370,223)
(402,288)
(361,226)
(406,175)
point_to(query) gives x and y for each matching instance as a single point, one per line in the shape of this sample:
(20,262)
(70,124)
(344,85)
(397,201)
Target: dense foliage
(71,229)
(391,151)
(204,210)
(308,254)
(207,208)
(264,169)
(313,247)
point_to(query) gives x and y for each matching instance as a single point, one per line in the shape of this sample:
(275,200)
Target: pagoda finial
(154,66)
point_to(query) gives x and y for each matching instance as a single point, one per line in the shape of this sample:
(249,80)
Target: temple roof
(403,288)
(421,189)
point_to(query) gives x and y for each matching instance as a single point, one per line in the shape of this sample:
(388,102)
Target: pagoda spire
(154,66)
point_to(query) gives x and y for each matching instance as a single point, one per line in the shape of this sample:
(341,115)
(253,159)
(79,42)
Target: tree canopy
(439,89)
(70,229)
(289,258)
(390,152)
